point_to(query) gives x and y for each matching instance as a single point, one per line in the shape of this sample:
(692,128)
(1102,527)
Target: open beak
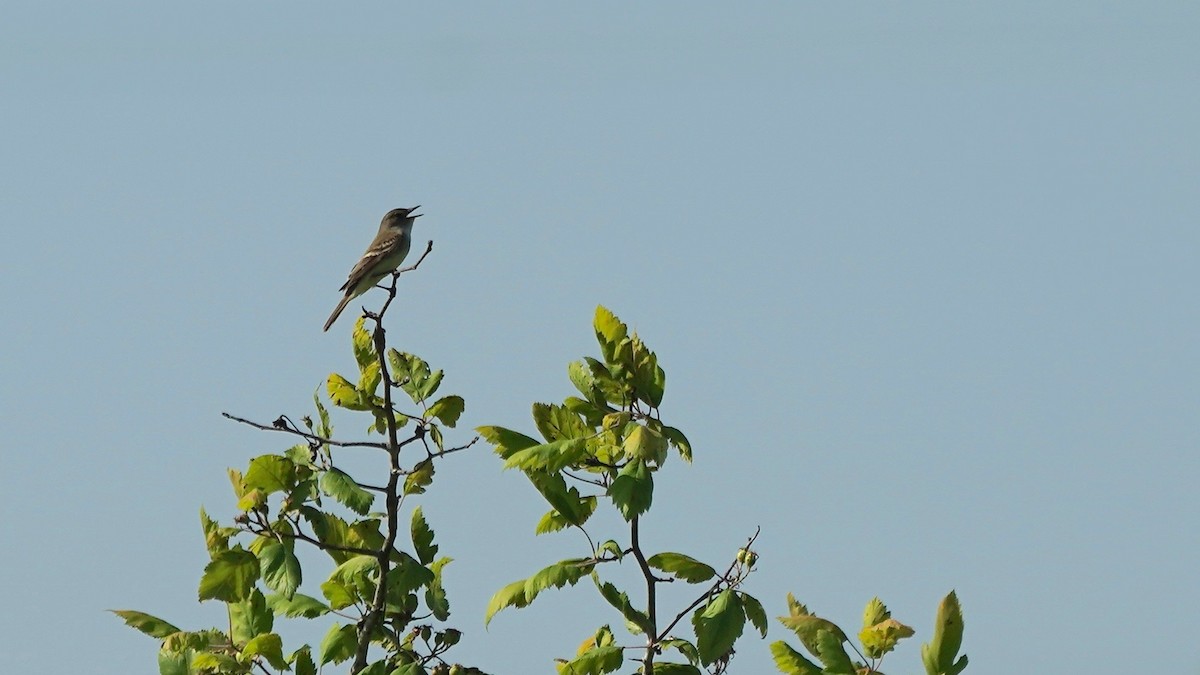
(415,215)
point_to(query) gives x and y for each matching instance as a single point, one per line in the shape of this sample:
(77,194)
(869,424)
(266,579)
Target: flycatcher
(383,256)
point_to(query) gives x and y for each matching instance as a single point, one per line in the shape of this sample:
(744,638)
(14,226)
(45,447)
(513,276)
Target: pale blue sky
(922,275)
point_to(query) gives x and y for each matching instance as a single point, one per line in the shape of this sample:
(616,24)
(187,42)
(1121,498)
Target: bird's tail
(337,311)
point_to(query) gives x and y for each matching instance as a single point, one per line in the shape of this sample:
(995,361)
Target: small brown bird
(382,257)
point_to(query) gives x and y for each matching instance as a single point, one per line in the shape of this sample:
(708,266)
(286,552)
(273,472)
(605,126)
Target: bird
(381,258)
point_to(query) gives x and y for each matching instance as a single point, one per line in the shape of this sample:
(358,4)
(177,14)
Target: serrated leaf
(682,566)
(280,568)
(448,409)
(791,662)
(422,537)
(343,393)
(250,617)
(230,576)
(755,612)
(298,605)
(363,343)
(881,638)
(435,593)
(645,444)
(668,668)
(268,646)
(506,441)
(680,442)
(550,457)
(807,626)
(150,625)
(557,422)
(875,612)
(832,655)
(683,647)
(947,636)
(554,521)
(512,595)
(339,485)
(216,538)
(562,573)
(270,473)
(302,661)
(718,625)
(610,332)
(419,478)
(632,491)
(338,644)
(211,662)
(621,602)
(596,661)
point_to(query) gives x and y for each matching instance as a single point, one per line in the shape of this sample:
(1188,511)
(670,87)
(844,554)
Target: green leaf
(506,441)
(562,573)
(302,661)
(323,429)
(343,393)
(680,442)
(557,422)
(298,605)
(216,538)
(412,372)
(596,661)
(422,537)
(610,332)
(881,638)
(435,593)
(268,646)
(633,490)
(566,500)
(875,612)
(554,521)
(406,576)
(448,409)
(150,625)
(419,478)
(683,647)
(718,626)
(682,566)
(250,617)
(621,602)
(413,668)
(668,668)
(364,345)
(339,644)
(230,576)
(939,653)
(755,612)
(339,485)
(832,654)
(368,381)
(279,566)
(211,662)
(174,663)
(512,595)
(807,626)
(270,473)
(791,662)
(550,457)
(645,444)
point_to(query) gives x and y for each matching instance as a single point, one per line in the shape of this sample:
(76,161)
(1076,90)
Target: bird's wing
(372,256)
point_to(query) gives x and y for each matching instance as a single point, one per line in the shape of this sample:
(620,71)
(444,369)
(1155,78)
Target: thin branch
(307,436)
(651,603)
(723,579)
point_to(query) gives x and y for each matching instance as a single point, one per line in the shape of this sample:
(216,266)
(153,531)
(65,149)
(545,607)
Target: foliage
(606,446)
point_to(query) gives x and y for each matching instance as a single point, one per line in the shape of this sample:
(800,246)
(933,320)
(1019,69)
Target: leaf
(419,478)
(216,538)
(512,595)
(302,661)
(881,638)
(298,605)
(343,393)
(339,485)
(633,490)
(718,626)
(211,662)
(250,617)
(557,422)
(448,409)
(807,626)
(791,662)
(668,668)
(230,576)
(832,655)
(875,612)
(150,625)
(279,566)
(563,573)
(506,441)
(566,500)
(435,594)
(621,602)
(339,644)
(680,442)
(596,661)
(270,473)
(422,537)
(682,566)
(939,653)
(755,612)
(412,372)
(323,429)
(609,332)
(645,444)
(683,647)
(268,646)
(554,521)
(551,457)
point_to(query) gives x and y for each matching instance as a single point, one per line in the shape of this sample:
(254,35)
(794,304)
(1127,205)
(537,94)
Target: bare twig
(307,436)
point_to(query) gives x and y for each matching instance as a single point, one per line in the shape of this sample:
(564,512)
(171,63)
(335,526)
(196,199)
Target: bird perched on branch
(382,257)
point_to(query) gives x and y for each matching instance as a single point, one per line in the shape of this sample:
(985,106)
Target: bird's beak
(415,215)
